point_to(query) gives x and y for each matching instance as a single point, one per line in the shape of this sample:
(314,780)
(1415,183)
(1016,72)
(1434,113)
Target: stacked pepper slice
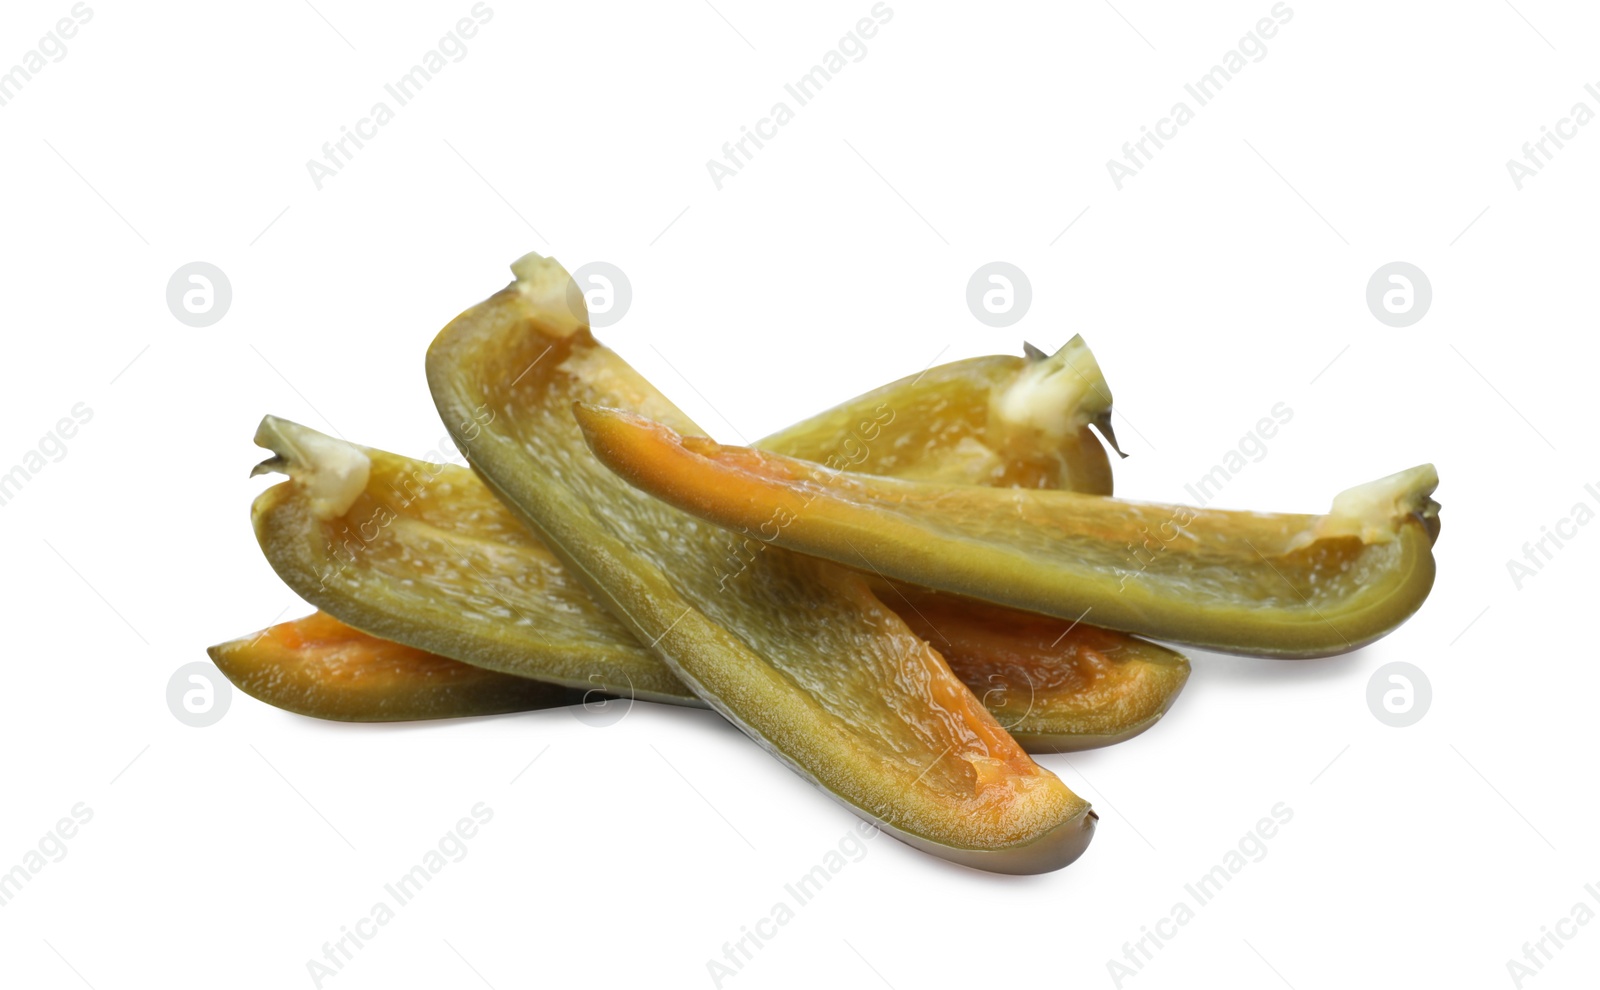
(796,652)
(1261,584)
(321,667)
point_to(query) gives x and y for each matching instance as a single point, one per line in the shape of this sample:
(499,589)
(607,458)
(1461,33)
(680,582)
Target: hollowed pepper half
(1262,584)
(795,651)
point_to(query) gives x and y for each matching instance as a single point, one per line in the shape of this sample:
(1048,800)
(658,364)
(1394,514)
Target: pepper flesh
(425,555)
(796,652)
(1280,585)
(319,666)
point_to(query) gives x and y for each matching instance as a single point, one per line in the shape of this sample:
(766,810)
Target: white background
(1229,276)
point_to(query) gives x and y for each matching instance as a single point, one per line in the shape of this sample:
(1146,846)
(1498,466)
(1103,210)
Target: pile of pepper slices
(900,598)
